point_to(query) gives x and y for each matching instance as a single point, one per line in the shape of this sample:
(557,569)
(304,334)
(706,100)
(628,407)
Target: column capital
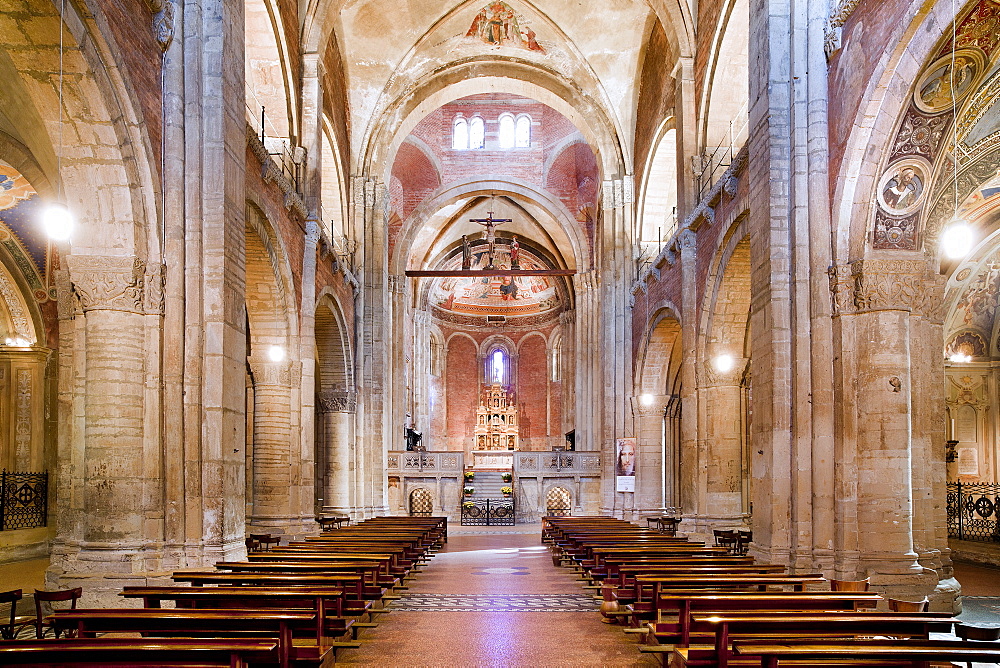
(266,372)
(887,284)
(337,402)
(108,283)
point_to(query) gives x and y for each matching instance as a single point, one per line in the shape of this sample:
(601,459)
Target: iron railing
(489,512)
(24,500)
(973,511)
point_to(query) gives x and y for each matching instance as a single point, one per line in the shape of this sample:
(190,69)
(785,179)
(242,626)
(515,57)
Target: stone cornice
(270,172)
(337,402)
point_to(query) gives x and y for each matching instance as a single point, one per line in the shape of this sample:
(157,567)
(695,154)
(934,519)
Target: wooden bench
(279,624)
(326,602)
(684,604)
(908,653)
(763,627)
(133,653)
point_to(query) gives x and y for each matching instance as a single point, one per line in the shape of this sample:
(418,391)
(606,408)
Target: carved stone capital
(731,378)
(878,284)
(653,409)
(108,283)
(65,302)
(337,402)
(271,373)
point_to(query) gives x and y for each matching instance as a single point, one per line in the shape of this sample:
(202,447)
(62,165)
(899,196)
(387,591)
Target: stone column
(687,135)
(421,374)
(877,304)
(650,478)
(721,399)
(370,199)
(587,374)
(273,463)
(614,342)
(336,414)
(103,532)
(690,457)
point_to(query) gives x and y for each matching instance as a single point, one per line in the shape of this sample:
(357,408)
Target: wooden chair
(71,595)
(727,539)
(898,605)
(744,538)
(10,628)
(850,585)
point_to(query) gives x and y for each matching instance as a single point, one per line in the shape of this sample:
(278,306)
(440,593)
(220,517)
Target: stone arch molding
(657,343)
(413,225)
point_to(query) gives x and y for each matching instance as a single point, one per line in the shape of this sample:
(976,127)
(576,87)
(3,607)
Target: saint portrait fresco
(901,187)
(948,80)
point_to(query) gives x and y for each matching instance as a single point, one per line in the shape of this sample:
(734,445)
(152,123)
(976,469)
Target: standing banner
(625,465)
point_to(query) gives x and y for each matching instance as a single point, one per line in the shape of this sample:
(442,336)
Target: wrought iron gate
(24,500)
(973,511)
(488,512)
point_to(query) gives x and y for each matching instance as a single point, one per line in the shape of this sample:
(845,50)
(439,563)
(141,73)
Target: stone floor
(493,598)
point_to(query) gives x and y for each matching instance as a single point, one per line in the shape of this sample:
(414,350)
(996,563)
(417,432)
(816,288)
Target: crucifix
(490,223)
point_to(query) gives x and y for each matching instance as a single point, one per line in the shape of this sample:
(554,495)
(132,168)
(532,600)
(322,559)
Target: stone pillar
(687,135)
(273,474)
(615,338)
(370,200)
(878,303)
(311,476)
(722,402)
(422,375)
(107,528)
(587,374)
(650,478)
(336,414)
(691,485)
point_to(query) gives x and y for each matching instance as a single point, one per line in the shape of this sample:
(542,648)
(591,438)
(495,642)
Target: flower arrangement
(469,475)
(468,504)
(507,491)
(469,491)
(507,476)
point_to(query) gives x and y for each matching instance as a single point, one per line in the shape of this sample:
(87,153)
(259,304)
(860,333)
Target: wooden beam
(420,273)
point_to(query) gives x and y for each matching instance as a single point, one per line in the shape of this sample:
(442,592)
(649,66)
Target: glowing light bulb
(956,241)
(724,363)
(276,353)
(959,358)
(58,222)
(646,399)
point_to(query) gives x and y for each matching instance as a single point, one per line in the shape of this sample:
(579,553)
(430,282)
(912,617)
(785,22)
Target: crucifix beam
(421,273)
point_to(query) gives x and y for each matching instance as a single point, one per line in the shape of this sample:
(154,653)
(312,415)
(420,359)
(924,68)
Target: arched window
(460,134)
(498,367)
(506,133)
(477,133)
(522,134)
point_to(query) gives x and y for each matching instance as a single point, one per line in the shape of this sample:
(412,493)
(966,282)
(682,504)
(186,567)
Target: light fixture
(276,353)
(57,221)
(646,399)
(17,342)
(960,358)
(723,363)
(956,240)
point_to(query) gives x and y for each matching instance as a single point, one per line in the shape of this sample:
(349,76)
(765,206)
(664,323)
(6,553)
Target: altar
(496,420)
(493,459)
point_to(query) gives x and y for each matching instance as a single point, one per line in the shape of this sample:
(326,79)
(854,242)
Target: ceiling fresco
(20,232)
(507,296)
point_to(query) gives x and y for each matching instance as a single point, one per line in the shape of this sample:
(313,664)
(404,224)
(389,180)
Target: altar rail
(973,511)
(24,500)
(424,463)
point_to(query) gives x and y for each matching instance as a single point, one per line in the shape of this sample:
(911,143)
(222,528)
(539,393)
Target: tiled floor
(495,599)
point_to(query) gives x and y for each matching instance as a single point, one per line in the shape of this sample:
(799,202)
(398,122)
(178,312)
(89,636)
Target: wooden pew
(764,627)
(684,604)
(909,653)
(133,653)
(326,602)
(279,624)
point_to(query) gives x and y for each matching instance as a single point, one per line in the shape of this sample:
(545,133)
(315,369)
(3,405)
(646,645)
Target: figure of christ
(491,237)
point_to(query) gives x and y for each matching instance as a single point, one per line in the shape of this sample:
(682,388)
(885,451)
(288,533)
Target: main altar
(496,432)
